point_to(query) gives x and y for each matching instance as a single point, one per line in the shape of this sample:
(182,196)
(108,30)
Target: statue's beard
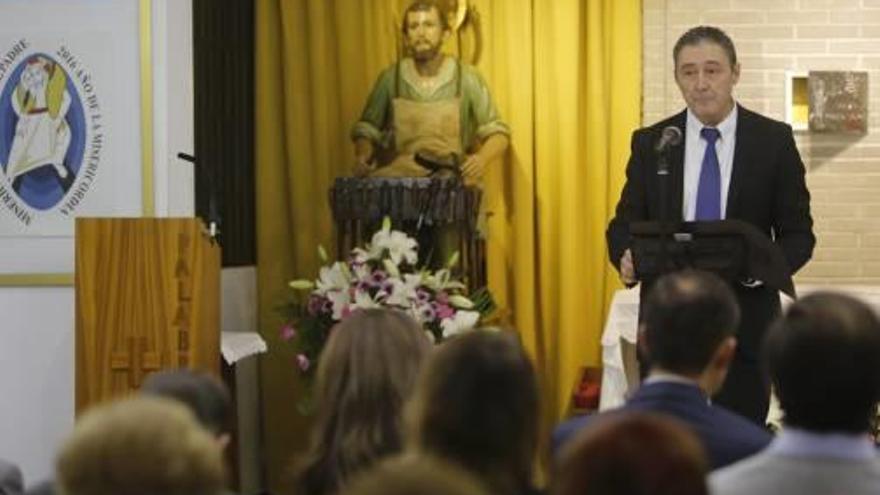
(425,54)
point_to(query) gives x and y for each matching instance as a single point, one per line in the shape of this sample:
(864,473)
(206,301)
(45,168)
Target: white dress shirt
(695,149)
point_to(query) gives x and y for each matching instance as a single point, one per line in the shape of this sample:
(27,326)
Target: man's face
(706,79)
(424,33)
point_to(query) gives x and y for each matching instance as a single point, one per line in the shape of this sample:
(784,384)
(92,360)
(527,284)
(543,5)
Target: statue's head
(425,28)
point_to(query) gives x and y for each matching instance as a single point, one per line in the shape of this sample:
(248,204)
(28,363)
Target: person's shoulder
(387,74)
(743,477)
(755,120)
(10,478)
(470,72)
(390,70)
(566,430)
(45,487)
(740,422)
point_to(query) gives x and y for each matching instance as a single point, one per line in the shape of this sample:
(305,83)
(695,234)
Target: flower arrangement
(383,274)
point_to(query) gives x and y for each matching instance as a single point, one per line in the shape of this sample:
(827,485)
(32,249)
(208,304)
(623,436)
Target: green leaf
(391,268)
(302,284)
(453,260)
(460,301)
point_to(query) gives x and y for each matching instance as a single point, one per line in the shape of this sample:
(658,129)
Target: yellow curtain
(566,76)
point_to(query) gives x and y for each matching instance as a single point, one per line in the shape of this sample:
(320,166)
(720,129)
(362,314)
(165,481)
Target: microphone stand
(664,177)
(213,219)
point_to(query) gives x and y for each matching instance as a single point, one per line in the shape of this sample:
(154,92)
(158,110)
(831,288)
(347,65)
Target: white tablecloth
(235,346)
(622,323)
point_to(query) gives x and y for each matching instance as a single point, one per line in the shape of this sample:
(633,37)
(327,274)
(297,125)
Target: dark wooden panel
(223,78)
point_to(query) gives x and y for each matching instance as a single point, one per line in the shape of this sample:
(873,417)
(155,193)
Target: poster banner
(69,125)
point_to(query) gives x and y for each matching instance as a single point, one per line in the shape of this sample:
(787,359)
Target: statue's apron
(432,127)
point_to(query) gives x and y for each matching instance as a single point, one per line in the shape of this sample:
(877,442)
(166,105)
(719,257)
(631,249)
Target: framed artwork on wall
(75,128)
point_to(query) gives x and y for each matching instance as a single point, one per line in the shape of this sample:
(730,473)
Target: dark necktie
(709,190)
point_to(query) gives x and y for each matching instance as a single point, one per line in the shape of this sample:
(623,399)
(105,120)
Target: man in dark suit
(732,164)
(687,332)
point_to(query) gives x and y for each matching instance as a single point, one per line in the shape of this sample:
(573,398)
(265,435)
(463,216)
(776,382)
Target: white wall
(36,375)
(36,336)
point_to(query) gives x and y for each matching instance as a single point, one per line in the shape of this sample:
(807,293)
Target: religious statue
(428,110)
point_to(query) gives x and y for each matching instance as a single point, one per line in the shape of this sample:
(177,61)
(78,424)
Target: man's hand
(364,162)
(363,167)
(627,269)
(473,168)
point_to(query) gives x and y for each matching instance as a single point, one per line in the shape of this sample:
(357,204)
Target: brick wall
(772,36)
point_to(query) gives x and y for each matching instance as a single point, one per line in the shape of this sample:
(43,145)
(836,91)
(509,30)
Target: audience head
(633,453)
(140,446)
(477,405)
(415,475)
(204,394)
(823,358)
(366,372)
(689,322)
(10,478)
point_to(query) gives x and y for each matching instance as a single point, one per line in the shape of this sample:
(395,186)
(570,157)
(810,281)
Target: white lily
(362,300)
(399,245)
(340,300)
(442,280)
(360,255)
(461,322)
(415,311)
(332,278)
(403,291)
(361,273)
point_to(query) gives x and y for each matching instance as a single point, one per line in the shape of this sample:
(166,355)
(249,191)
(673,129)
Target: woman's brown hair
(477,405)
(365,374)
(633,453)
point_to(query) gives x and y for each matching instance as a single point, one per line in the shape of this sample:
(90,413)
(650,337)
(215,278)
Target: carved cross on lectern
(137,361)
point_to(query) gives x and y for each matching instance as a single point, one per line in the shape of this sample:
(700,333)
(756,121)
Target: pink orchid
(303,362)
(288,332)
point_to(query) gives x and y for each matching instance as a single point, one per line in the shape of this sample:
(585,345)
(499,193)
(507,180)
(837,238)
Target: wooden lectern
(147,298)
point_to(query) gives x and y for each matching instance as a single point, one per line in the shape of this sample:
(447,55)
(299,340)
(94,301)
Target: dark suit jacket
(767,189)
(725,436)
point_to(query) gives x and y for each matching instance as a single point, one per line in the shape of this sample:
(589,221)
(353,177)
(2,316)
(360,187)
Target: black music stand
(733,249)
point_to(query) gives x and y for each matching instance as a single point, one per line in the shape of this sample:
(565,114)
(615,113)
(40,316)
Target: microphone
(186,157)
(671,136)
